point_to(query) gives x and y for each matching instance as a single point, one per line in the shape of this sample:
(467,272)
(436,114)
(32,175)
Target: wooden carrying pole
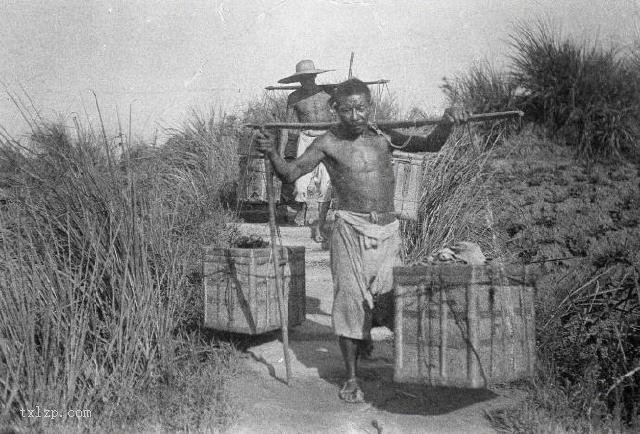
(386,124)
(295,87)
(276,266)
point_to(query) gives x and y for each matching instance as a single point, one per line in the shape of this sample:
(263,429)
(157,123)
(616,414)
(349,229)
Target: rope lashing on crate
(504,297)
(446,304)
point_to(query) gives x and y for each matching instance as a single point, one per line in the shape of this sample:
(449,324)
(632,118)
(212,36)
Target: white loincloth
(316,184)
(362,255)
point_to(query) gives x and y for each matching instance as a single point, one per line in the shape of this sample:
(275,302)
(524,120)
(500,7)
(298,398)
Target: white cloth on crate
(315,184)
(465,252)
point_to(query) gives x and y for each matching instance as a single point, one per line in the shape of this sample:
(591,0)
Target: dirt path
(311,403)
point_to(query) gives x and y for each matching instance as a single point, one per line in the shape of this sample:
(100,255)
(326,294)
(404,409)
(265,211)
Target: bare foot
(351,392)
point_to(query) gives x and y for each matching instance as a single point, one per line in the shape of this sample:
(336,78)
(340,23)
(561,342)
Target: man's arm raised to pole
(293,170)
(436,139)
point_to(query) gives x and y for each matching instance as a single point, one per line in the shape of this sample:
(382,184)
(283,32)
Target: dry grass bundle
(454,200)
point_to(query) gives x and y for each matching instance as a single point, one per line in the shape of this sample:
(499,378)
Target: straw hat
(304,67)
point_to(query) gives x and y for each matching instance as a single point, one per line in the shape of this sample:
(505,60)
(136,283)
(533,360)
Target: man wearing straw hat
(310,103)
(365,239)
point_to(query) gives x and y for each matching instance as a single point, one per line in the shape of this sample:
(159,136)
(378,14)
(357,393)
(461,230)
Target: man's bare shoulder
(294,97)
(325,141)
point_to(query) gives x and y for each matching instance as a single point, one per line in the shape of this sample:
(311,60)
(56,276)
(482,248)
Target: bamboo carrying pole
(386,124)
(276,265)
(295,87)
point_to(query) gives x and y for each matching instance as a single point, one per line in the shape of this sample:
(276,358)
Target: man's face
(353,112)
(307,80)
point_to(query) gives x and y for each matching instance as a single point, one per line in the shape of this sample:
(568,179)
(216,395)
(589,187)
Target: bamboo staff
(329,86)
(276,265)
(386,124)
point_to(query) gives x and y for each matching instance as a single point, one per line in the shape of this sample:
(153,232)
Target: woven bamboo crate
(252,183)
(463,325)
(408,169)
(240,291)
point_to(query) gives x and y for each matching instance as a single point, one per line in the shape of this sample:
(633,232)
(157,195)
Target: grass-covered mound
(584,93)
(579,225)
(563,189)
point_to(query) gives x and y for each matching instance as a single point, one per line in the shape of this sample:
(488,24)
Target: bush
(585,93)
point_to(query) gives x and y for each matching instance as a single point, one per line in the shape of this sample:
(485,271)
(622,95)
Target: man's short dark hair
(353,86)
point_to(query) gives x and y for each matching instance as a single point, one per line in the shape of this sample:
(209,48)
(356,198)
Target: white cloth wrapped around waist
(363,255)
(373,233)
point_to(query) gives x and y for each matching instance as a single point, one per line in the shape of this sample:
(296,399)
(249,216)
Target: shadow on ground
(376,381)
(320,352)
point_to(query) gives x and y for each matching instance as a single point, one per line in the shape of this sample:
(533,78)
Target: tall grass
(97,255)
(453,205)
(591,343)
(483,88)
(587,93)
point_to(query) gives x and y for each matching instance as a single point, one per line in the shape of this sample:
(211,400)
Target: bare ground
(311,403)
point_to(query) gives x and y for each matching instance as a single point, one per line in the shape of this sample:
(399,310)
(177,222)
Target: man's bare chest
(314,105)
(363,155)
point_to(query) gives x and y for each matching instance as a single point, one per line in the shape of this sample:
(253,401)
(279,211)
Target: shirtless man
(310,103)
(365,240)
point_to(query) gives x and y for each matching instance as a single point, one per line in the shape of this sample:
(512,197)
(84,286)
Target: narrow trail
(311,403)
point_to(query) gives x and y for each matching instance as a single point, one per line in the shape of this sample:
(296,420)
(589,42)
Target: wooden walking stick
(284,320)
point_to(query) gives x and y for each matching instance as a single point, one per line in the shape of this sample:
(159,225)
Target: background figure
(310,103)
